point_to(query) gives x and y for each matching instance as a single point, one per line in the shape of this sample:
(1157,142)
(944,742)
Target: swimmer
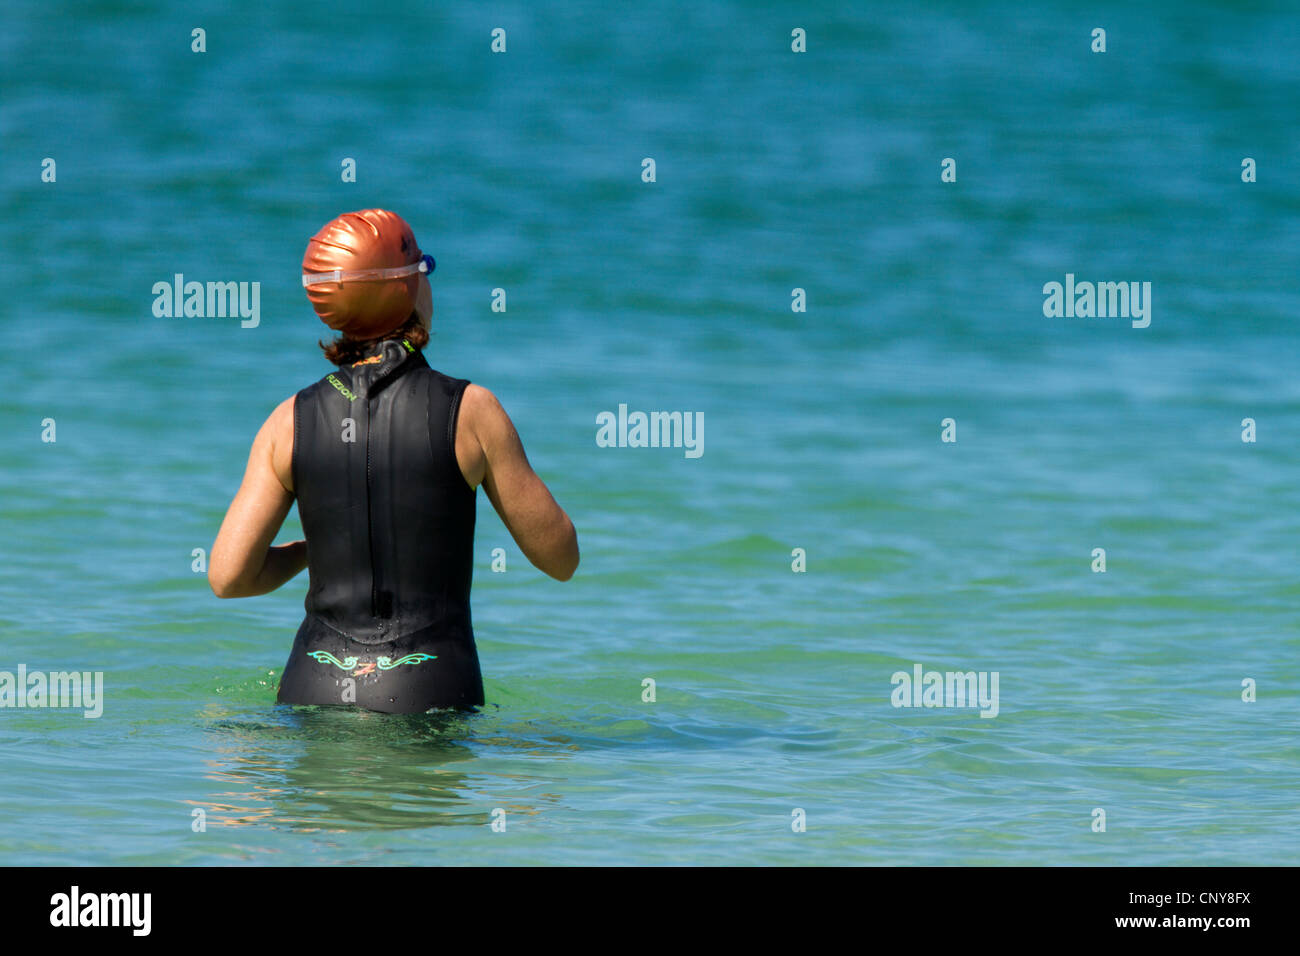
(385,457)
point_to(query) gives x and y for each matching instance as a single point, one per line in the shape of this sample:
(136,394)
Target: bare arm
(537,523)
(243,562)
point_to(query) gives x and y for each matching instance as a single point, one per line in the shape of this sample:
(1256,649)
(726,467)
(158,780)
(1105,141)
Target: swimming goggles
(425,265)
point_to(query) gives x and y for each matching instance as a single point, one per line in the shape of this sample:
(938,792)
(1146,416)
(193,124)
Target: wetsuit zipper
(370,520)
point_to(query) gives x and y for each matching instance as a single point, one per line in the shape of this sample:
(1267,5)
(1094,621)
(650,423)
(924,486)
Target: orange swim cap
(374,242)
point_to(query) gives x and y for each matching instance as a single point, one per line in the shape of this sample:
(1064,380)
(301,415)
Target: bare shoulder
(482,412)
(279,424)
(278,430)
(478,407)
(283,413)
(479,402)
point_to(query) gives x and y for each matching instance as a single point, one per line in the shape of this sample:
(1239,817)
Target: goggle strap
(425,265)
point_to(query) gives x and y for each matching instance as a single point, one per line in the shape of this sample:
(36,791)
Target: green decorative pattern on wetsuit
(385,664)
(325,657)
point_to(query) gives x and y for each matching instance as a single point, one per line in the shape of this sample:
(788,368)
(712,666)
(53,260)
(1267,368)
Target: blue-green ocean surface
(821,171)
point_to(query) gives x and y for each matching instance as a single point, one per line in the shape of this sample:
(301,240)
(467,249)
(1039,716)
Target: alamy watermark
(653,430)
(923,688)
(213,300)
(37,689)
(1102,300)
(75,908)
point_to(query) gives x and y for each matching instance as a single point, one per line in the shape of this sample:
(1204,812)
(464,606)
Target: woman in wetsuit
(385,456)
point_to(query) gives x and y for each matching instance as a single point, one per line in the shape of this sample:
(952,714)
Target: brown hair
(346,351)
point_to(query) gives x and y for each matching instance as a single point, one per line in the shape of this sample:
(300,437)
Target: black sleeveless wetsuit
(389,522)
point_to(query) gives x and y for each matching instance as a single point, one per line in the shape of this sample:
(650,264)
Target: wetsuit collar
(392,357)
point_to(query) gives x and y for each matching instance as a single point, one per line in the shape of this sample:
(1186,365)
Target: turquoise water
(1119,690)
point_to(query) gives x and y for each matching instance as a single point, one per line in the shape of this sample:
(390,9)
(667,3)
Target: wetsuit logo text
(343,389)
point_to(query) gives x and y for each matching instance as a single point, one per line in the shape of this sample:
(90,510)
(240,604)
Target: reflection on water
(335,769)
